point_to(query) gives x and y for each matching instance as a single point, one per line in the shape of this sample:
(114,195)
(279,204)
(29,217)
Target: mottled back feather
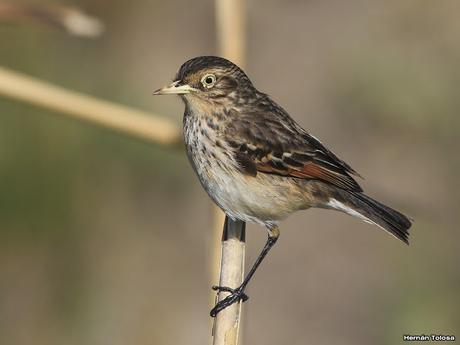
(266,139)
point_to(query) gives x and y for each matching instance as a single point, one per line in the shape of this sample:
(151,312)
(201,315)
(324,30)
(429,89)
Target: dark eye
(208,80)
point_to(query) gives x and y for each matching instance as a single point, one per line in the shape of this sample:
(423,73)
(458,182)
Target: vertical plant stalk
(226,326)
(231,29)
(231,41)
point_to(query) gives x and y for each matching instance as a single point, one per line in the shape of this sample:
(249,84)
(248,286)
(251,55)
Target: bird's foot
(235,296)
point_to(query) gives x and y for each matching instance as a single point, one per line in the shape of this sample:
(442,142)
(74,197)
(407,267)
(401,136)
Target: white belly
(262,199)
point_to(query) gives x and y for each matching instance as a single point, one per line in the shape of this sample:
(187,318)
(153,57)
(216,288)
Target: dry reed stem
(137,123)
(226,327)
(230,20)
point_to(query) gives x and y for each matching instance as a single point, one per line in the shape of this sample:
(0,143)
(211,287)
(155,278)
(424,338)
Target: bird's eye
(208,80)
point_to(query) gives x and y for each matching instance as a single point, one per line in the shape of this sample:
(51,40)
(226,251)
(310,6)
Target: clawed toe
(241,293)
(235,296)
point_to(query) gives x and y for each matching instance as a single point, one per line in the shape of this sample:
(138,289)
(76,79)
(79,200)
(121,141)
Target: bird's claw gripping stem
(235,296)
(239,291)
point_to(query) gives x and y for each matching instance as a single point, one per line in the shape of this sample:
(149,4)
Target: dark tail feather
(373,211)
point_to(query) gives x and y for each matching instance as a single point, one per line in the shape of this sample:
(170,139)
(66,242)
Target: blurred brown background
(105,239)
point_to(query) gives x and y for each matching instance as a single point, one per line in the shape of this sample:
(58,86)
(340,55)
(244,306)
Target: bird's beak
(175,89)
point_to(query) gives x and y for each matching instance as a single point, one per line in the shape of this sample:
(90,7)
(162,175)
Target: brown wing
(267,140)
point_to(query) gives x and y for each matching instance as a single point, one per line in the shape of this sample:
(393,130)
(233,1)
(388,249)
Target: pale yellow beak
(175,89)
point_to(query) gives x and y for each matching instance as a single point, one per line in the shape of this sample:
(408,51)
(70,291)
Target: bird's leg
(238,294)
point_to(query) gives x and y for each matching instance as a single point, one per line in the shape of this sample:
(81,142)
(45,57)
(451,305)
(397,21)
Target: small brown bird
(257,164)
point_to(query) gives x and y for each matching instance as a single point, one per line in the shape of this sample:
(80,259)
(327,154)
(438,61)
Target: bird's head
(209,79)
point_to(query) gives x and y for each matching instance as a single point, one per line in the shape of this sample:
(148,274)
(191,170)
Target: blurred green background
(105,239)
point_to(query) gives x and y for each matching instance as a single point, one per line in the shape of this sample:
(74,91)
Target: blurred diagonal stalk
(230,21)
(71,19)
(137,123)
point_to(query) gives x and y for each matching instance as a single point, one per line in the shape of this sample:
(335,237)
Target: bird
(259,165)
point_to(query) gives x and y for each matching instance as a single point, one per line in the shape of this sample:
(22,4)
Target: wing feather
(266,139)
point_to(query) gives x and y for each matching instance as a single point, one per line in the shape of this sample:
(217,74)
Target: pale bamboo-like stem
(133,122)
(218,218)
(230,20)
(226,326)
(231,29)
